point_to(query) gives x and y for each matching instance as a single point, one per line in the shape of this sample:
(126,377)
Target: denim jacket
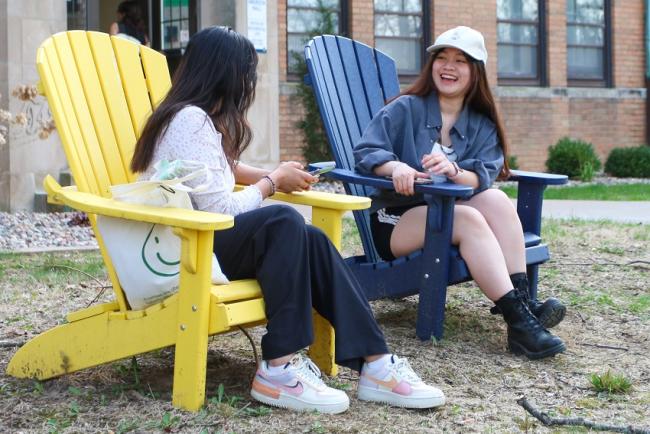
(406,129)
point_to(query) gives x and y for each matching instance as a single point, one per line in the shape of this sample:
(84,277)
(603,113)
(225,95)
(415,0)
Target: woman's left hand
(438,164)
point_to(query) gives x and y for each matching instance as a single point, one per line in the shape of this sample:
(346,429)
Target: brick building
(557,67)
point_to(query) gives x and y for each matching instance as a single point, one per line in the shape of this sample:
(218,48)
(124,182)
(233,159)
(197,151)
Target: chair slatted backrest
(352,82)
(100,90)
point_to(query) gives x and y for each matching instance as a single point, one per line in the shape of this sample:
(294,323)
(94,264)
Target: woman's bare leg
(501,216)
(476,241)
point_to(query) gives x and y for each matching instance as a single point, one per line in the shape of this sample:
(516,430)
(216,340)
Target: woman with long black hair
(203,117)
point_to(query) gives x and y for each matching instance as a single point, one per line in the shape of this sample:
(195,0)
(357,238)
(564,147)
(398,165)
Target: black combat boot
(550,312)
(525,333)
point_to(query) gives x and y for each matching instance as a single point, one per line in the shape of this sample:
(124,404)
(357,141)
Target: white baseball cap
(465,39)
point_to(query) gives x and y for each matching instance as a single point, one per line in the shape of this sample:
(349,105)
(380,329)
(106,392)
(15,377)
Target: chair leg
(532,272)
(190,358)
(322,350)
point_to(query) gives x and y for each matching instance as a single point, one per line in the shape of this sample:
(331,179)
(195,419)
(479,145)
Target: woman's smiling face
(451,73)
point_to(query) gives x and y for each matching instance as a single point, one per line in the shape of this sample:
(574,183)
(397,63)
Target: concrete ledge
(569,92)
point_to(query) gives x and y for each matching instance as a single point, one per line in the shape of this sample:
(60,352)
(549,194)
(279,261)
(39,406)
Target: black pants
(298,268)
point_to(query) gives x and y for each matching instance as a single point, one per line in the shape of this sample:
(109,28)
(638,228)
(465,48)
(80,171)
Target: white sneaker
(298,387)
(396,384)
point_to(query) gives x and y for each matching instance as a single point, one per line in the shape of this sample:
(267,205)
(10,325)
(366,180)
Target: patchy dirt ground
(607,328)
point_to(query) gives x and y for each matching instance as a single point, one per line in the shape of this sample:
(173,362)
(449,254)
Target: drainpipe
(647,71)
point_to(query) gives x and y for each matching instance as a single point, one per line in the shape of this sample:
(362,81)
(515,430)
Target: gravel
(26,231)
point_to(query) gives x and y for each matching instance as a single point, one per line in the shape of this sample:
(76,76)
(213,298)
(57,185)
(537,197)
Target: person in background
(203,117)
(129,24)
(446,125)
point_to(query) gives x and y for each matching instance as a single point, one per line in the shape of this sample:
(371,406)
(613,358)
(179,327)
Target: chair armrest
(530,196)
(537,178)
(442,189)
(176,217)
(320,199)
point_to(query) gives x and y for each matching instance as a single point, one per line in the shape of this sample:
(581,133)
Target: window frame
(607,80)
(344,30)
(541,78)
(424,39)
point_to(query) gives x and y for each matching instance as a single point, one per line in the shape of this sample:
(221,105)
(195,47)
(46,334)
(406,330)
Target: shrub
(629,162)
(315,146)
(512,162)
(573,158)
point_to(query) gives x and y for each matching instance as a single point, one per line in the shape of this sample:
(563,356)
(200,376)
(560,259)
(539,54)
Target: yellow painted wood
(156,74)
(322,350)
(192,322)
(237,290)
(92,311)
(329,221)
(129,64)
(94,97)
(189,257)
(52,79)
(82,113)
(177,217)
(324,200)
(111,84)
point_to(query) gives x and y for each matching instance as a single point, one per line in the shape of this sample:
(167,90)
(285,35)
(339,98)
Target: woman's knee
(286,215)
(469,220)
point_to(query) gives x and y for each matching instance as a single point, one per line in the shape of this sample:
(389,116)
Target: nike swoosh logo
(295,390)
(388,384)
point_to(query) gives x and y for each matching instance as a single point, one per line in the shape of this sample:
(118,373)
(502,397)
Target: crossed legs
(488,233)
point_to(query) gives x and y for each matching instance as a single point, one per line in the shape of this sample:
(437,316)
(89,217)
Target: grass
(610,383)
(622,192)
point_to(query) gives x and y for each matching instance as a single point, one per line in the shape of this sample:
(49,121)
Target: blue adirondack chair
(352,82)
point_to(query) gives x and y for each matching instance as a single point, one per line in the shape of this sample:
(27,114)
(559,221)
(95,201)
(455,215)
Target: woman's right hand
(404,177)
(291,176)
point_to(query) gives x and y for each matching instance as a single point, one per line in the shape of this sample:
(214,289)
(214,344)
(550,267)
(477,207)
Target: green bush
(629,162)
(574,158)
(315,145)
(512,162)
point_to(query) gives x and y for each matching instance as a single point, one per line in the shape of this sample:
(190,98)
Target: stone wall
(26,159)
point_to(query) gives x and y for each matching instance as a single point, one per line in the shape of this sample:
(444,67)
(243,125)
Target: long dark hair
(217,74)
(479,98)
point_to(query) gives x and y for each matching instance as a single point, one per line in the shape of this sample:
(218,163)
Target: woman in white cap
(446,125)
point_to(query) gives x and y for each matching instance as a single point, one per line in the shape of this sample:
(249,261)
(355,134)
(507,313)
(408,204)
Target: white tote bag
(146,256)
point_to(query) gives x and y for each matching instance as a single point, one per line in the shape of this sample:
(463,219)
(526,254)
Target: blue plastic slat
(387,75)
(370,77)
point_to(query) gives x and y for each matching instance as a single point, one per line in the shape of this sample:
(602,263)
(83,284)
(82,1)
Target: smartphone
(322,170)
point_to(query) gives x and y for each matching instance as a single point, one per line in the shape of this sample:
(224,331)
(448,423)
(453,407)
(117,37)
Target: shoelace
(403,368)
(307,370)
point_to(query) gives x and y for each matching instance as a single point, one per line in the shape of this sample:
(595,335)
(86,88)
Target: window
(520,42)
(77,14)
(588,42)
(306,17)
(174,24)
(400,33)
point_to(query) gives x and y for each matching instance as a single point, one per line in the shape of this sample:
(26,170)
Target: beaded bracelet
(271,183)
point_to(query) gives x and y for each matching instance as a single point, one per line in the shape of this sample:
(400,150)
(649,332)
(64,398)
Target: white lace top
(192,136)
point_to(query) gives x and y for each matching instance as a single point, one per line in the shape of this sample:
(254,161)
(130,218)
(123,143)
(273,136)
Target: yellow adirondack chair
(101,90)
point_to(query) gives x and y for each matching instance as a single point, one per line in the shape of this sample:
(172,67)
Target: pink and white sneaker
(395,383)
(298,387)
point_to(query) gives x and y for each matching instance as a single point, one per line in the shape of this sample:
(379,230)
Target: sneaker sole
(293,403)
(518,349)
(553,313)
(386,397)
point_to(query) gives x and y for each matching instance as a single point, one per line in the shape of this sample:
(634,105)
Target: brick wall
(535,118)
